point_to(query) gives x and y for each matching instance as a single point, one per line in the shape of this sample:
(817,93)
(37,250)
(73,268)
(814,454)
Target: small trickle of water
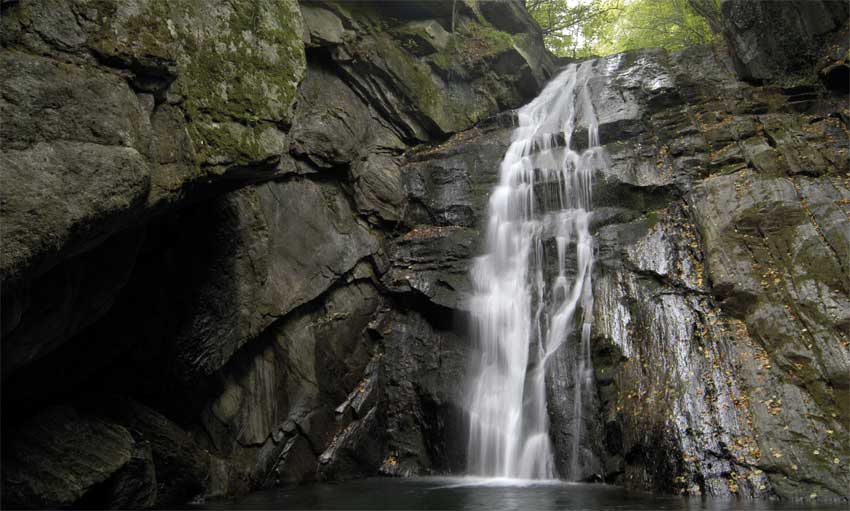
(524,309)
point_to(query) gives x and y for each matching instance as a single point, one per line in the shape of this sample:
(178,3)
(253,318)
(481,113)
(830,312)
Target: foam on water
(495,482)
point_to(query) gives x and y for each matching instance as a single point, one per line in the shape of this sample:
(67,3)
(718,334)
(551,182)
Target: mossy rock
(135,33)
(445,67)
(237,63)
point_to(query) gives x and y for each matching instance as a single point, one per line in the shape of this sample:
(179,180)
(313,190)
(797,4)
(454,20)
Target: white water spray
(523,310)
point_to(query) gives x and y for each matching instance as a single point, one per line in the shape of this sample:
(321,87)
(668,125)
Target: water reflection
(436,493)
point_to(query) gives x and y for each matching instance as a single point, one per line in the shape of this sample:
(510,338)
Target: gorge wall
(236,244)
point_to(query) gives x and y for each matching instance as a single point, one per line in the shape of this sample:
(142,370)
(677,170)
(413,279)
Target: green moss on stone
(133,31)
(238,61)
(222,143)
(245,64)
(426,93)
(471,44)
(652,219)
(488,40)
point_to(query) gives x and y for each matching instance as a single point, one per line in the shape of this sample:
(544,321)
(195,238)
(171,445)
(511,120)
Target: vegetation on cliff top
(582,28)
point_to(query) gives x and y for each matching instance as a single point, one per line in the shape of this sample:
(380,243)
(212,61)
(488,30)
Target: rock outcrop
(710,340)
(252,225)
(786,42)
(197,203)
(115,111)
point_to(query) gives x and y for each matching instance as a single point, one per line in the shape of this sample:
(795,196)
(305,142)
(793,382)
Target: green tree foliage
(671,24)
(580,28)
(571,28)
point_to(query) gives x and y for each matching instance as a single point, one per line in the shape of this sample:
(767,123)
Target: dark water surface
(433,493)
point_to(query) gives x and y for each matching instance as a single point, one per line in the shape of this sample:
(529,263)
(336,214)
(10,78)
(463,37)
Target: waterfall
(523,308)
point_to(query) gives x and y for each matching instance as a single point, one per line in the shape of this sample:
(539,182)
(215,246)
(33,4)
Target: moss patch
(471,44)
(239,62)
(243,62)
(241,65)
(138,32)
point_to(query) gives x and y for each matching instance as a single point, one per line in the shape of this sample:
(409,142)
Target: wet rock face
(720,329)
(709,337)
(425,361)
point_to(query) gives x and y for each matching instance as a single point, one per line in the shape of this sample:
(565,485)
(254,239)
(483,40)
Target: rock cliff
(196,208)
(236,243)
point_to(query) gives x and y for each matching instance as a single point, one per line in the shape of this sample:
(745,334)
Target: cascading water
(523,311)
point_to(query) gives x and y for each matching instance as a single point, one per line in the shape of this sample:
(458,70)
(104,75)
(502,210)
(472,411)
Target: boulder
(57,457)
(181,467)
(132,487)
(71,178)
(144,136)
(268,250)
(321,26)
